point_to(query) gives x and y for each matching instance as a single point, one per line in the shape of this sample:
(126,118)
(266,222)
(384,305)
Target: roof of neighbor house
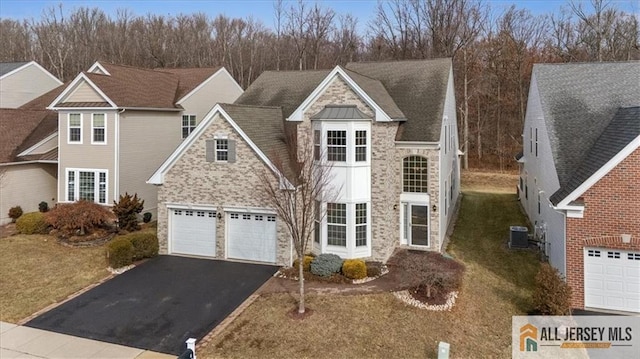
(27,125)
(579,102)
(409,91)
(623,128)
(6,67)
(21,129)
(135,87)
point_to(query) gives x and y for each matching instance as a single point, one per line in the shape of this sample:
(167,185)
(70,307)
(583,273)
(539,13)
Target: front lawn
(35,272)
(497,284)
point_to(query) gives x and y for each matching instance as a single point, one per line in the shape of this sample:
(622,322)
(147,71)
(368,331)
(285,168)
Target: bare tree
(303,183)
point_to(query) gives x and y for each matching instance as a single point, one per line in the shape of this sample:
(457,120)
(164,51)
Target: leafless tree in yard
(303,182)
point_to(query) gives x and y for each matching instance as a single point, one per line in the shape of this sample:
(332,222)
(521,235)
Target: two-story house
(580,178)
(28,137)
(117,124)
(21,82)
(388,129)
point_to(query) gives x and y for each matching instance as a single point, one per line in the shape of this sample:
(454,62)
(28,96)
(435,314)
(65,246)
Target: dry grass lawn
(497,285)
(35,272)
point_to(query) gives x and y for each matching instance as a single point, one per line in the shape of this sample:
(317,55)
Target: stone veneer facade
(612,208)
(386,171)
(192,180)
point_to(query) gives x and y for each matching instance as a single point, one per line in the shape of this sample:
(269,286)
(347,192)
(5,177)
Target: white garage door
(193,232)
(252,237)
(612,279)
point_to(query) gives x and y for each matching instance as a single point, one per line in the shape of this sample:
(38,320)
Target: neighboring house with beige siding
(21,82)
(118,123)
(388,129)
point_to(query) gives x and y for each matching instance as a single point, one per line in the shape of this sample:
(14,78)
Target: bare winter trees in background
(493,50)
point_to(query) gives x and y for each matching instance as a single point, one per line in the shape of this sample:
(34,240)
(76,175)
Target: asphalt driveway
(159,304)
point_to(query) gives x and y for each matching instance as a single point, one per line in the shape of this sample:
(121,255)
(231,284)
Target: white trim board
(32,63)
(158,177)
(72,87)
(297,115)
(599,174)
(98,66)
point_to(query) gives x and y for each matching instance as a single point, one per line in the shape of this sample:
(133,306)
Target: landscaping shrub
(146,217)
(15,213)
(374,269)
(552,295)
(354,269)
(325,265)
(431,271)
(306,263)
(120,252)
(32,223)
(145,245)
(78,218)
(127,209)
(43,207)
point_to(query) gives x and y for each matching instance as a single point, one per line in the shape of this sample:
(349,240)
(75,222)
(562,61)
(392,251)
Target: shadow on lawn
(481,235)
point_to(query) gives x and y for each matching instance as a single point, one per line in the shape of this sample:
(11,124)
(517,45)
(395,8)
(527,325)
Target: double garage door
(249,236)
(612,279)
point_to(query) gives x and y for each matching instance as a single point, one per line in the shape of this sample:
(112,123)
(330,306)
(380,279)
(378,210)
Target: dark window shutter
(211,150)
(232,151)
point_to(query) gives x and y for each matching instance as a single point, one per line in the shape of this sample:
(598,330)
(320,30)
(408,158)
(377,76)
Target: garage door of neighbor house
(193,232)
(612,279)
(251,236)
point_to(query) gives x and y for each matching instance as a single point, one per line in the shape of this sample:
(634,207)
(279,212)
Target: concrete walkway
(24,342)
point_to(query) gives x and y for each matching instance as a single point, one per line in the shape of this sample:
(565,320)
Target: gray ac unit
(518,237)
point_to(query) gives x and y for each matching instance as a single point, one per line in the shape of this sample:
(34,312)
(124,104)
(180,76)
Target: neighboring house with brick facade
(117,124)
(21,82)
(580,178)
(389,130)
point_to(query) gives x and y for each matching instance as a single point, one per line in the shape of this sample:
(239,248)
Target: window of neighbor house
(337,146)
(316,228)
(415,174)
(222,149)
(98,128)
(75,128)
(89,185)
(188,125)
(361,146)
(337,224)
(536,142)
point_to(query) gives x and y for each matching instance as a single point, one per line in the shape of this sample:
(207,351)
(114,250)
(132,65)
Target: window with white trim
(415,174)
(361,224)
(75,128)
(88,185)
(361,146)
(530,139)
(98,128)
(337,224)
(536,142)
(337,146)
(316,228)
(188,125)
(222,150)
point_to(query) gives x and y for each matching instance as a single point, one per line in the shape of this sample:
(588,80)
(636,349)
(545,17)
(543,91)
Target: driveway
(159,304)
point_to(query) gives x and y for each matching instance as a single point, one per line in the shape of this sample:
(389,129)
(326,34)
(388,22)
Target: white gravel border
(408,299)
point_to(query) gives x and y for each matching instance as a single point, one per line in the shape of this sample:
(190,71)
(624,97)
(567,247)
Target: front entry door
(418,225)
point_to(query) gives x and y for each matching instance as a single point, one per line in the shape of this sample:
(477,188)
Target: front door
(418,223)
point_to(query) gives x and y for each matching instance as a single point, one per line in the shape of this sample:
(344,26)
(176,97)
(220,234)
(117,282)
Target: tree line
(493,52)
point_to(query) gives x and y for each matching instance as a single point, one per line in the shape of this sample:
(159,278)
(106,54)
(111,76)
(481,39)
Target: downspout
(116,164)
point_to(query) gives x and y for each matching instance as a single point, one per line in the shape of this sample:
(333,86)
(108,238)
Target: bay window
(337,146)
(337,224)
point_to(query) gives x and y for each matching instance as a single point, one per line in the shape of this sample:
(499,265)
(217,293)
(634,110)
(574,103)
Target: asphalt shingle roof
(623,128)
(418,88)
(20,129)
(266,128)
(578,102)
(6,67)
